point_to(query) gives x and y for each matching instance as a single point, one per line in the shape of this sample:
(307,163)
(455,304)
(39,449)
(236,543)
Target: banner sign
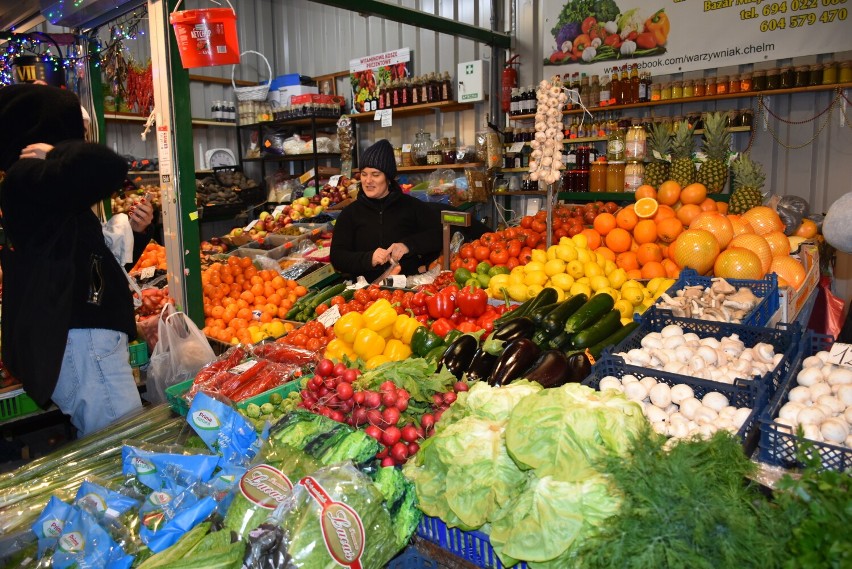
(367,73)
(672,36)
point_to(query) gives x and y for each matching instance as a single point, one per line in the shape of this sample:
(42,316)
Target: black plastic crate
(738,395)
(780,447)
(784,338)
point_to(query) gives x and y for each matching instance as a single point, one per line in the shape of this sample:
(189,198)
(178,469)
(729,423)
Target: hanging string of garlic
(546,159)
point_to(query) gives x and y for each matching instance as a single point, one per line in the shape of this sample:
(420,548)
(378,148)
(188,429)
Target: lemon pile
(266,330)
(571,268)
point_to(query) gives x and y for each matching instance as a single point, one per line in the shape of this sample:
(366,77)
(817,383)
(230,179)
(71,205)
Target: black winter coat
(369,224)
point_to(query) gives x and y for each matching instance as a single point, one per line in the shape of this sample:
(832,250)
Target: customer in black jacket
(67,308)
(384,224)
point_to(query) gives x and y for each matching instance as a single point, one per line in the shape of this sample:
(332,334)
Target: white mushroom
(728,411)
(823,356)
(832,403)
(655,414)
(660,427)
(809,376)
(715,401)
(688,407)
(818,390)
(741,416)
(705,415)
(800,394)
(650,342)
(671,330)
(635,391)
(840,376)
(629,378)
(610,382)
(844,394)
(732,345)
(680,393)
(691,337)
(674,367)
(708,354)
(672,342)
(790,411)
(648,382)
(683,354)
(763,352)
(697,363)
(660,395)
(812,361)
(678,429)
(810,416)
(812,432)
(639,357)
(710,342)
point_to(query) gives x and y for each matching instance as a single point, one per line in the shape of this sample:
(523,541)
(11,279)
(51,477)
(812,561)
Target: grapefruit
(738,263)
(695,249)
(739,225)
(756,244)
(717,224)
(807,229)
(778,242)
(763,220)
(790,270)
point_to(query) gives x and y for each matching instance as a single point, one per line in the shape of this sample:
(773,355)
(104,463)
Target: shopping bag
(827,315)
(181,351)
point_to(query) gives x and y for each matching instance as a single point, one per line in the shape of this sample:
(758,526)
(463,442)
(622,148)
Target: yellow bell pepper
(337,348)
(404,328)
(368,344)
(396,350)
(376,361)
(380,315)
(659,25)
(386,333)
(347,326)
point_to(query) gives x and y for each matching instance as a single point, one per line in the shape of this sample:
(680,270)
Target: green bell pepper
(424,340)
(437,353)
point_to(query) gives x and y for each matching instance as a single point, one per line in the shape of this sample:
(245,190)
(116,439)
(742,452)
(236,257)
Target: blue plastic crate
(738,395)
(766,289)
(780,447)
(784,338)
(473,546)
(412,559)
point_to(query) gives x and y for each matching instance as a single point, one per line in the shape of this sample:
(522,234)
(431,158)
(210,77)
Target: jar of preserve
(733,117)
(677,89)
(699,87)
(615,176)
(710,86)
(676,123)
(722,85)
(816,75)
(758,81)
(666,92)
(582,158)
(788,78)
(844,73)
(746,117)
(656,91)
(773,79)
(581,180)
(734,84)
(829,73)
(634,173)
(615,145)
(597,175)
(802,76)
(634,142)
(688,89)
(746,82)
(567,181)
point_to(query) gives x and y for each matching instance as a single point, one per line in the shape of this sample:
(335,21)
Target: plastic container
(738,396)
(206,37)
(780,447)
(283,390)
(17,406)
(472,546)
(138,354)
(766,289)
(174,397)
(784,338)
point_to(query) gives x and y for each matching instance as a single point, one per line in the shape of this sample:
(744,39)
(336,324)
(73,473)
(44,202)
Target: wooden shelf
(304,121)
(521,193)
(293,157)
(432,167)
(603,138)
(414,110)
(129,117)
(814,89)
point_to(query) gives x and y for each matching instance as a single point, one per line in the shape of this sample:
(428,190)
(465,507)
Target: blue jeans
(96,385)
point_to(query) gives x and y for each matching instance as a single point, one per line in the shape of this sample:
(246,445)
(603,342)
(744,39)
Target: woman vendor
(384,224)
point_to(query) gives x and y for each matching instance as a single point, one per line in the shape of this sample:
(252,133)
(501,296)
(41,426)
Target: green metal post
(97,87)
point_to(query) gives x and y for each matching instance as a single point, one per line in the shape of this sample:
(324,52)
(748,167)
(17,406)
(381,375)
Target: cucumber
(300,305)
(180,548)
(537,315)
(589,313)
(606,326)
(545,296)
(612,340)
(554,322)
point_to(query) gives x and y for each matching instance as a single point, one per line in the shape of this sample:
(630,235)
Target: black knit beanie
(380,157)
(36,113)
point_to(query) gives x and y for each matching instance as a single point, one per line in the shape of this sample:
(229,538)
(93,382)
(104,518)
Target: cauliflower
(589,54)
(630,22)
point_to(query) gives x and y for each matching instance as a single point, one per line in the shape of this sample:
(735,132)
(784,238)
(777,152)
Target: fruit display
(209,192)
(154,255)
(713,173)
(124,203)
(659,149)
(721,302)
(346,188)
(748,184)
(683,169)
(214,246)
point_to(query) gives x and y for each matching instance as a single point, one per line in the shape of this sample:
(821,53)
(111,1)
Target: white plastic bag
(182,349)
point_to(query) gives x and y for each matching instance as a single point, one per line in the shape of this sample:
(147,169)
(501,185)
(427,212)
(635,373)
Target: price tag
(387,118)
(840,354)
(406,148)
(147,273)
(250,225)
(334,180)
(243,367)
(278,210)
(307,176)
(517,147)
(330,316)
(193,215)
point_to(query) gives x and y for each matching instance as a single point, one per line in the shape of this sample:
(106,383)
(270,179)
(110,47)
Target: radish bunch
(546,159)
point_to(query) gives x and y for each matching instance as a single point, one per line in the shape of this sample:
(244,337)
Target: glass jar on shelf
(421,147)
(816,75)
(746,82)
(802,76)
(597,175)
(746,118)
(634,142)
(450,150)
(829,73)
(758,80)
(677,89)
(710,86)
(655,91)
(773,79)
(699,87)
(733,118)
(615,145)
(844,73)
(634,174)
(688,89)
(734,84)
(582,153)
(666,91)
(787,78)
(722,85)
(615,176)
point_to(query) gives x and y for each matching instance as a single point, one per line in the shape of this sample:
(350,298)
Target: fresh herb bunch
(687,507)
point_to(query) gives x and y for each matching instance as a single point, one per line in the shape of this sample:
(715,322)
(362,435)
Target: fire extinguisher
(510,81)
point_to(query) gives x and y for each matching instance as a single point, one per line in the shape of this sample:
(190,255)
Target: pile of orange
(154,255)
(674,228)
(237,295)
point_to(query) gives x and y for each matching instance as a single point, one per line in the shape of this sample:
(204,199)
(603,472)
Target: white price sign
(334,180)
(278,210)
(147,273)
(517,147)
(840,354)
(330,316)
(250,225)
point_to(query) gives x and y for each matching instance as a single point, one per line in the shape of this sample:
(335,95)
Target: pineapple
(717,142)
(659,140)
(683,169)
(748,184)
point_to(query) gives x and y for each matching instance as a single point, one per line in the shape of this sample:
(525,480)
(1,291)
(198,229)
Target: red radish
(374,417)
(449,398)
(438,415)
(391,415)
(437,399)
(374,432)
(389,399)
(359,397)
(421,432)
(350,375)
(409,433)
(402,404)
(372,399)
(388,461)
(337,416)
(339,369)
(387,386)
(460,386)
(344,391)
(413,448)
(325,367)
(359,416)
(427,421)
(399,452)
(392,435)
(383,451)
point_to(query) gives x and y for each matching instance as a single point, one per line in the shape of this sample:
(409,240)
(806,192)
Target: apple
(318,210)
(298,207)
(303,201)
(263,215)
(325,201)
(296,215)
(287,221)
(261,234)
(309,212)
(236,232)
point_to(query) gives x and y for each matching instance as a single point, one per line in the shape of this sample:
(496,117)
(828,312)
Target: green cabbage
(486,402)
(561,432)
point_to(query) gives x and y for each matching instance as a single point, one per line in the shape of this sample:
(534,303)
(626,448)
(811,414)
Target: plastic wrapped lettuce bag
(223,429)
(172,511)
(223,483)
(334,518)
(152,467)
(84,543)
(542,524)
(561,432)
(96,496)
(50,523)
(260,490)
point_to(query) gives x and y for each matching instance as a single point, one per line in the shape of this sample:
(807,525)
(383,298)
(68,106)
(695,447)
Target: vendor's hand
(141,215)
(38,150)
(380,257)
(397,251)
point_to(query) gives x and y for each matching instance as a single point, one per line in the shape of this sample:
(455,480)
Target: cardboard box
(286,95)
(317,276)
(792,301)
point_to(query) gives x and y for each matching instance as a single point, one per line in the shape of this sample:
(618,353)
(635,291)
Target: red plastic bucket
(206,37)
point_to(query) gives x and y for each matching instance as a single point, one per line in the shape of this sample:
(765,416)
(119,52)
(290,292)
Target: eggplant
(481,366)
(579,367)
(496,341)
(459,354)
(518,356)
(549,370)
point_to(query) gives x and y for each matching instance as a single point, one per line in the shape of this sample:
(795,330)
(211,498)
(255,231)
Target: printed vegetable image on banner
(367,74)
(596,37)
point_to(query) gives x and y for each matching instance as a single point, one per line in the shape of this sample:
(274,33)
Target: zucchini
(545,296)
(537,315)
(612,340)
(606,326)
(589,313)
(300,305)
(541,339)
(560,341)
(555,321)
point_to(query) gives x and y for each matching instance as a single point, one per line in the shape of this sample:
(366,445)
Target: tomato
(512,263)
(514,248)
(541,215)
(526,255)
(455,263)
(511,233)
(466,251)
(559,234)
(499,256)
(539,226)
(526,221)
(481,253)
(532,240)
(470,264)
(338,300)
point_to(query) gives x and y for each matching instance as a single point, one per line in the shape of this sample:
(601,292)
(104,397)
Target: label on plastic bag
(243,367)
(342,528)
(223,430)
(265,486)
(50,523)
(96,498)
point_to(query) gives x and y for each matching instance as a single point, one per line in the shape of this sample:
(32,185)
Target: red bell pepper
(486,321)
(472,301)
(419,299)
(468,327)
(442,327)
(422,318)
(440,305)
